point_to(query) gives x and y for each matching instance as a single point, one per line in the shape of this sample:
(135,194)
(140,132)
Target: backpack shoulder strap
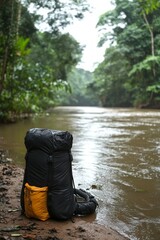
(50,170)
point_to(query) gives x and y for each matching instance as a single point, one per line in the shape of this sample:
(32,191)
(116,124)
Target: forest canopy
(35,64)
(130,73)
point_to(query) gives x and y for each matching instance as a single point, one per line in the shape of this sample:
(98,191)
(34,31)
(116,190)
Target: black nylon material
(48,140)
(43,147)
(48,163)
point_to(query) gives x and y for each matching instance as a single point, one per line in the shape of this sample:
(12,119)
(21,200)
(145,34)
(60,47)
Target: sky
(85,32)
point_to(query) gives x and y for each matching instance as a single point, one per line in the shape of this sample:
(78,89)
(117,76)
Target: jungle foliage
(35,64)
(130,73)
(37,68)
(79,93)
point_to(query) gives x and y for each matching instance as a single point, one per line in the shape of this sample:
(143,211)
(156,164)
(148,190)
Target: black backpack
(49,164)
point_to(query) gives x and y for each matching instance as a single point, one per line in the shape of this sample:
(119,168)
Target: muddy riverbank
(14,225)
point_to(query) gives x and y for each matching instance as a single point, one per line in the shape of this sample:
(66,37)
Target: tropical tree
(110,79)
(34,64)
(136,36)
(150,5)
(12,52)
(53,58)
(57,14)
(79,93)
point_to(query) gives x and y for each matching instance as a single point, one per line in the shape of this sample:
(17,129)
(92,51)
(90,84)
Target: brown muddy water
(116,156)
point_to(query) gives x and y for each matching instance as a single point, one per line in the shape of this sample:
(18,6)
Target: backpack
(48,188)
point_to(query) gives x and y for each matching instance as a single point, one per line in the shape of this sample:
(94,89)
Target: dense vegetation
(80,93)
(34,65)
(130,73)
(37,68)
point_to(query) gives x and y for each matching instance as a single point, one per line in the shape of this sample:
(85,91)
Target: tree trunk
(152,40)
(4,68)
(152,53)
(18,17)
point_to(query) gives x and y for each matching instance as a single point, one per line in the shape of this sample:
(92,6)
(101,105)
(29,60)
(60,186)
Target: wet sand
(14,225)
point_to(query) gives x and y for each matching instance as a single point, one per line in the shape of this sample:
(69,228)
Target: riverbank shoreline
(15,225)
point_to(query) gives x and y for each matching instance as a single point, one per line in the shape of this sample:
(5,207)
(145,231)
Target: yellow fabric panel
(35,202)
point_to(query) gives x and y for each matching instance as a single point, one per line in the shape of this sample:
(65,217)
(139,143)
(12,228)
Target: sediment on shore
(14,225)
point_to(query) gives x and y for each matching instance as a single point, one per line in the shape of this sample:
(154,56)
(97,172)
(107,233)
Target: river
(116,156)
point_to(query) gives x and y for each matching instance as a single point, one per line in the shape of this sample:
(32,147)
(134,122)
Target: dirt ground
(14,225)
